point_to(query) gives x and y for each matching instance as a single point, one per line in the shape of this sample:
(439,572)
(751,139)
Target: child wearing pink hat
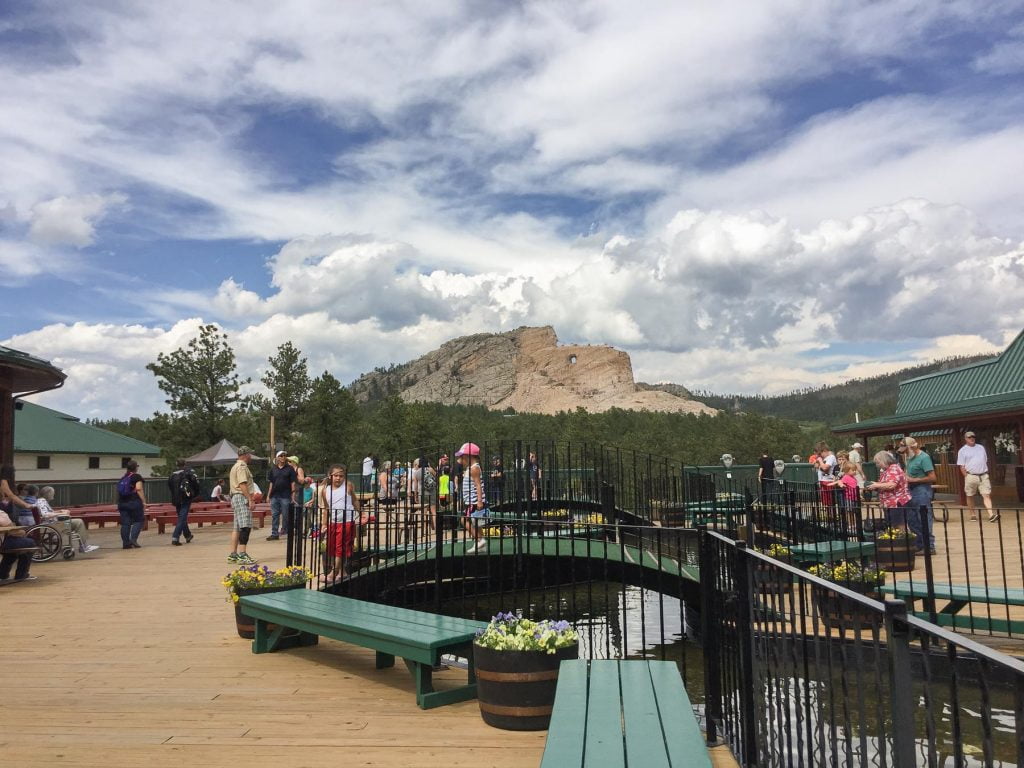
(473,498)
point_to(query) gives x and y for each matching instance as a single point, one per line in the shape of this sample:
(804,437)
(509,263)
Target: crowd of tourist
(905,488)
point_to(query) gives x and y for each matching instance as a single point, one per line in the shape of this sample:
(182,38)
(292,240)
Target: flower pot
(837,612)
(246,627)
(769,580)
(895,554)
(516,689)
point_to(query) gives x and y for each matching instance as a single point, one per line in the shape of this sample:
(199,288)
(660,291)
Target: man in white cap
(973,462)
(858,462)
(282,480)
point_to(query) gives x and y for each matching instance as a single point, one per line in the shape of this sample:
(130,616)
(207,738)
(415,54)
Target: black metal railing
(804,671)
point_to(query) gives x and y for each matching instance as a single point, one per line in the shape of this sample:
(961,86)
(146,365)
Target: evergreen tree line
(319,419)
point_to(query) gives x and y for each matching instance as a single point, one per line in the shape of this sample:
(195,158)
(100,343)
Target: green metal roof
(43,430)
(992,405)
(987,388)
(998,376)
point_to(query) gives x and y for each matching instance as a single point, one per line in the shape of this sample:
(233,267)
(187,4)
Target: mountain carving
(526,370)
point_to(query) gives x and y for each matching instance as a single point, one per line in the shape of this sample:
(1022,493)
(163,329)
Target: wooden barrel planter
(769,581)
(896,555)
(516,689)
(839,613)
(246,626)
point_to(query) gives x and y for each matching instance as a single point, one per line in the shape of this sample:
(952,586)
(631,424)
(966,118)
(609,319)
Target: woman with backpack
(131,505)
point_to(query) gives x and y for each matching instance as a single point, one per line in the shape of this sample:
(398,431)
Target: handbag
(5,520)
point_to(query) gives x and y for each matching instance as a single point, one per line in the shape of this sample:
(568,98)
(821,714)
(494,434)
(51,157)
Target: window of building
(124,461)
(572,359)
(42,462)
(94,462)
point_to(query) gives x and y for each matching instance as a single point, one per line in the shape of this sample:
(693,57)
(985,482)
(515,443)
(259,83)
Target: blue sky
(745,197)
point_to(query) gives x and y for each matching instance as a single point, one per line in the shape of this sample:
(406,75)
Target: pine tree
(289,384)
(202,387)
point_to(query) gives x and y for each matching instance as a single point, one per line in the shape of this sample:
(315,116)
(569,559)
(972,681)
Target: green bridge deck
(628,555)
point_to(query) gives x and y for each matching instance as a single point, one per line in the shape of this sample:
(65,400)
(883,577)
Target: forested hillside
(837,403)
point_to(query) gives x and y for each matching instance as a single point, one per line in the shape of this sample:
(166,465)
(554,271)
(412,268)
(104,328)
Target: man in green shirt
(920,479)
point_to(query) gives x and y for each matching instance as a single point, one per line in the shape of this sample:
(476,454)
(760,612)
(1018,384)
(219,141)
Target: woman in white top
(340,517)
(77,524)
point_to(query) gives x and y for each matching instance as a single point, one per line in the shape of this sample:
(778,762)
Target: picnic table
(959,597)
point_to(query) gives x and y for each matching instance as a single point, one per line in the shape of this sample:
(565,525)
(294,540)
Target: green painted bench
(418,638)
(830,551)
(623,713)
(959,596)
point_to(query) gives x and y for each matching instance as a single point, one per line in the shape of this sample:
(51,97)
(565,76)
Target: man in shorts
(240,485)
(973,462)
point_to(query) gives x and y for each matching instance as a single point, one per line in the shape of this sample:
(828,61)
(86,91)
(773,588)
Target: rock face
(526,370)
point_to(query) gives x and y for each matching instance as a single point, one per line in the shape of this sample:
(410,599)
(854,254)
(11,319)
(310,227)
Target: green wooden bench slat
(568,730)
(686,745)
(633,713)
(961,592)
(380,613)
(326,611)
(641,725)
(603,747)
(828,551)
(976,623)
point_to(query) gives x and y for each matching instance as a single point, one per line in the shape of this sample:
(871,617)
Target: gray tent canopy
(223,452)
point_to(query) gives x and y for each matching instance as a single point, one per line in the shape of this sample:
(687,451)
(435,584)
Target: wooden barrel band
(517,677)
(494,709)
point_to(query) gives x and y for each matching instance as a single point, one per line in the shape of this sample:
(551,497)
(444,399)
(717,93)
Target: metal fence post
(709,599)
(743,580)
(901,687)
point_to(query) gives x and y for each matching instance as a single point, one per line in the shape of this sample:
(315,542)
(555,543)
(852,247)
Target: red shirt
(899,495)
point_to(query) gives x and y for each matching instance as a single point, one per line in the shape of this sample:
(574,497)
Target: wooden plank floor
(130,658)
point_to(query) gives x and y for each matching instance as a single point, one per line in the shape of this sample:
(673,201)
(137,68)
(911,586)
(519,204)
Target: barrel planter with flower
(895,550)
(516,663)
(841,613)
(770,580)
(260,580)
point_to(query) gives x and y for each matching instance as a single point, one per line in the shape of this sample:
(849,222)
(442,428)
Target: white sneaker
(481,544)
(91,548)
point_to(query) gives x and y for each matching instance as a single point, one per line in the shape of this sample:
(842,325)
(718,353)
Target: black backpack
(187,485)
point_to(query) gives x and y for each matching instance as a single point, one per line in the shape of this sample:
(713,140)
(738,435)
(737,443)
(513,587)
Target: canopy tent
(223,452)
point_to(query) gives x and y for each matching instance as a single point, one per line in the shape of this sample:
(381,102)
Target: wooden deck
(131,658)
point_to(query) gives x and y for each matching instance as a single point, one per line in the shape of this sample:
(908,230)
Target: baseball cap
(468,449)
(293,459)
(279,454)
(969,434)
(244,449)
(857,445)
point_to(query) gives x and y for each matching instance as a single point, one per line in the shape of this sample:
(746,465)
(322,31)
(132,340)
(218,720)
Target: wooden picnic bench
(163,519)
(959,596)
(831,551)
(418,638)
(618,713)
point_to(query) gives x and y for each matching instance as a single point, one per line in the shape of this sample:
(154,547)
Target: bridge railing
(624,586)
(799,670)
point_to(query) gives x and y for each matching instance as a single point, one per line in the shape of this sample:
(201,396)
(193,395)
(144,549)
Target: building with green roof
(50,446)
(986,398)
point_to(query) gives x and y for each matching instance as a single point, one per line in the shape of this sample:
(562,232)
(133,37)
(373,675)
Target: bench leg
(427,697)
(385,660)
(265,640)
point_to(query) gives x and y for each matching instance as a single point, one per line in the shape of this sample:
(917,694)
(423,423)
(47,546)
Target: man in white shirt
(368,466)
(973,462)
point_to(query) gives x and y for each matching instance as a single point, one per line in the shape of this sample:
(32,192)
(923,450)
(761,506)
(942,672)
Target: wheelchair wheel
(49,540)
(69,554)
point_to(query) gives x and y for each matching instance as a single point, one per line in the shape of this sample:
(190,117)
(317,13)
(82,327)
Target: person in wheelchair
(75,526)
